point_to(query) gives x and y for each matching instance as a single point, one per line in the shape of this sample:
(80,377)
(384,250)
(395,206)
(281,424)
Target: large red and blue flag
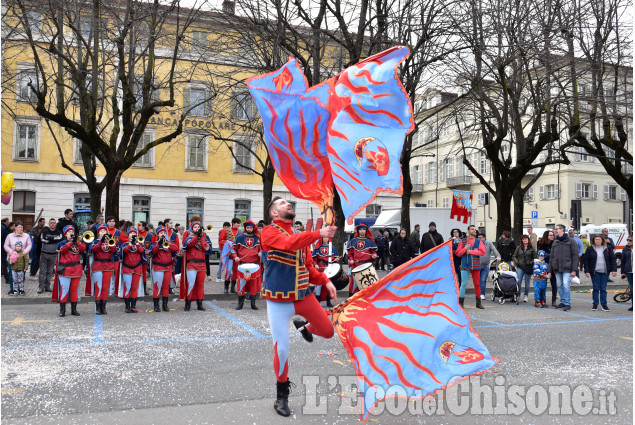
(345,133)
(408,330)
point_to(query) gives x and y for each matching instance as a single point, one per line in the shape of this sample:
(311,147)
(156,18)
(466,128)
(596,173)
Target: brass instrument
(141,239)
(166,243)
(111,241)
(88,237)
(209,227)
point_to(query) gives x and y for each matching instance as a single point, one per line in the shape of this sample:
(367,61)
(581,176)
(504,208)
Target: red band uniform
(361,250)
(162,271)
(68,271)
(193,279)
(131,269)
(102,267)
(246,250)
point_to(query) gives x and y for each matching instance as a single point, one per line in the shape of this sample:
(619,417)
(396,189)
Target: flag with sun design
(408,330)
(346,132)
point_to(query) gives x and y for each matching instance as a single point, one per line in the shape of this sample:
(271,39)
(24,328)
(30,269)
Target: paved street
(214,367)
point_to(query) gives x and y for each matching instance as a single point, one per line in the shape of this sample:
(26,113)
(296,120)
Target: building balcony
(417,188)
(459,182)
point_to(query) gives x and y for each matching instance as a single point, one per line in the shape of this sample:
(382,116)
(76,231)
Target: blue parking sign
(534,214)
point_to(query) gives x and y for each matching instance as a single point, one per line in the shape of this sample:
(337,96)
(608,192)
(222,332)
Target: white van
(617,232)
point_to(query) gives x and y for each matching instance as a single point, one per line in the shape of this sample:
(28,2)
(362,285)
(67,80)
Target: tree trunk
(113,181)
(340,237)
(407,184)
(268,175)
(518,216)
(95,200)
(503,211)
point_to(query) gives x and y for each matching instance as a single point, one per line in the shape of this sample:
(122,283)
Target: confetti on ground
(328,353)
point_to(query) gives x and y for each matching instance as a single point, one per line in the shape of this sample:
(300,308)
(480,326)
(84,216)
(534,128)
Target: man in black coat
(67,221)
(431,238)
(401,249)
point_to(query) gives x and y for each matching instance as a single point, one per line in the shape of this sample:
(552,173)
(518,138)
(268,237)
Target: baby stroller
(505,284)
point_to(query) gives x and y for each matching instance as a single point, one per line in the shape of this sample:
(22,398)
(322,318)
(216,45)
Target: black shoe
(127,303)
(554,301)
(22,293)
(605,307)
(328,302)
(103,307)
(233,289)
(40,290)
(62,309)
(461,300)
(281,406)
(12,292)
(630,309)
(560,305)
(48,290)
(253,303)
(74,309)
(227,286)
(301,326)
(156,305)
(199,305)
(567,308)
(188,304)
(171,291)
(594,308)
(165,304)
(478,303)
(98,307)
(241,302)
(133,305)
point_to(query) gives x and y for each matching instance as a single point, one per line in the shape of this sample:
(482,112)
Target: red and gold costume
(360,251)
(194,266)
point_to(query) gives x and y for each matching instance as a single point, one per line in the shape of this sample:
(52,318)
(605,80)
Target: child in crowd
(19,264)
(540,280)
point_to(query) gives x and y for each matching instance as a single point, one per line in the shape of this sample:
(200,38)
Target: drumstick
(330,251)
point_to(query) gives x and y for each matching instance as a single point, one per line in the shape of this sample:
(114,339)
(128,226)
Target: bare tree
(101,71)
(599,84)
(508,115)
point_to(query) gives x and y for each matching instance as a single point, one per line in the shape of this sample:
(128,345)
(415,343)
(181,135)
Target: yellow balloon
(7,183)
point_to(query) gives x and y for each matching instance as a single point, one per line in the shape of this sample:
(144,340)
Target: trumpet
(166,243)
(141,239)
(209,227)
(111,241)
(88,237)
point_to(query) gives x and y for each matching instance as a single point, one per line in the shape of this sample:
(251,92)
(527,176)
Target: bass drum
(337,275)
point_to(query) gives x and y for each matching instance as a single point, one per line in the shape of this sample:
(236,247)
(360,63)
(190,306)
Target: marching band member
(68,271)
(119,238)
(102,267)
(247,250)
(194,266)
(361,250)
(142,232)
(227,264)
(161,270)
(235,232)
(321,260)
(131,269)
(287,291)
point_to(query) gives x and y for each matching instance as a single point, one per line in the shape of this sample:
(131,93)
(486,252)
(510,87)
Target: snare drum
(337,275)
(248,271)
(364,275)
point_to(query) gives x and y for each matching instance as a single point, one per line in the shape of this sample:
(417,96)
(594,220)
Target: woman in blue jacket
(599,261)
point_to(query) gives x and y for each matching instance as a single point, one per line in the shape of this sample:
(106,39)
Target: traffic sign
(534,214)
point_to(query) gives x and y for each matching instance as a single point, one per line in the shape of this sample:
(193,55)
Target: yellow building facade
(196,174)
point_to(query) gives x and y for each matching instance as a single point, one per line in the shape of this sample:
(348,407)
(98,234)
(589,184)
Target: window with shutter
(427,173)
(243,161)
(196,152)
(146,160)
(606,192)
(578,190)
(446,202)
(541,193)
(595,191)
